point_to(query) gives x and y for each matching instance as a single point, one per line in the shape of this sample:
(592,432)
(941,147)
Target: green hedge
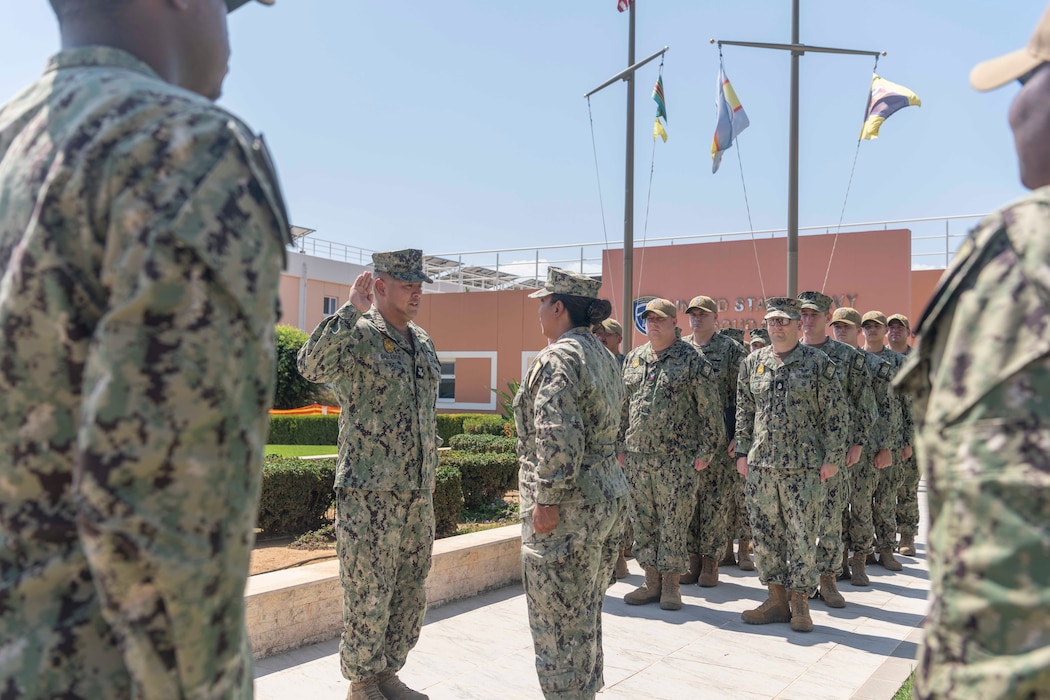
(484,425)
(296,494)
(448,501)
(483,443)
(450,424)
(486,477)
(304,430)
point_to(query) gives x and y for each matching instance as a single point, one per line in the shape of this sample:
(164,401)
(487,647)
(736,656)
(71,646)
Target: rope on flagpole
(849,184)
(601,200)
(747,205)
(648,197)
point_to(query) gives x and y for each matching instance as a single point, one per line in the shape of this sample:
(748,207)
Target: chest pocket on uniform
(761,380)
(393,367)
(633,377)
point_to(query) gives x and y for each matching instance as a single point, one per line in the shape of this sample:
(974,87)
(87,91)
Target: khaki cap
(999,71)
(703,303)
(876,316)
(759,335)
(232,5)
(613,327)
(570,284)
(404,265)
(816,301)
(847,315)
(783,307)
(660,307)
(901,318)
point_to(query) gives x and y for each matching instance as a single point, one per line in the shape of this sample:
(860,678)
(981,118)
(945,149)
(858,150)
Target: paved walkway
(480,648)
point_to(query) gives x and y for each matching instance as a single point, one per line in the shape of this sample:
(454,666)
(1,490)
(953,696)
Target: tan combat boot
(648,592)
(393,688)
(907,547)
(694,570)
(800,619)
(845,575)
(727,558)
(887,560)
(621,566)
(742,556)
(670,593)
(367,689)
(775,609)
(858,565)
(830,593)
(708,572)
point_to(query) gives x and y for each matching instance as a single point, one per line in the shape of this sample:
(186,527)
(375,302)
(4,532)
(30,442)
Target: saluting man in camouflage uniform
(573,491)
(851,370)
(142,237)
(858,531)
(980,375)
(884,507)
(720,486)
(792,433)
(385,372)
(898,328)
(671,428)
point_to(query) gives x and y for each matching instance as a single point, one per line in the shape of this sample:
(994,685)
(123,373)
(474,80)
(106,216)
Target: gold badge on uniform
(761,369)
(388,344)
(636,362)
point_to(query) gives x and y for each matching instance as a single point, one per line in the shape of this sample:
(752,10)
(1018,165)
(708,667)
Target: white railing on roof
(934,242)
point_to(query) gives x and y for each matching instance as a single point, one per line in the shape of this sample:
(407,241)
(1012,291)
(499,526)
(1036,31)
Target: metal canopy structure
(475,276)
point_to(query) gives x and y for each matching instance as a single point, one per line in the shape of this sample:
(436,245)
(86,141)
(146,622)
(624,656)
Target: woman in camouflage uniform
(573,491)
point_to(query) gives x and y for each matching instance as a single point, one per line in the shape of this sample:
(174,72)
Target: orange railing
(314,409)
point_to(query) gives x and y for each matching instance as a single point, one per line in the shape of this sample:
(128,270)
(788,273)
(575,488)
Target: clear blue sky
(461,124)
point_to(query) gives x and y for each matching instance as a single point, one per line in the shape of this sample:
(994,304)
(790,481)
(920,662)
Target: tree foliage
(293,390)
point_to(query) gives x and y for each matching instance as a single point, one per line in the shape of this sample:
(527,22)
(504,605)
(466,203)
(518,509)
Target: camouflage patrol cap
(613,327)
(759,335)
(899,318)
(703,303)
(404,265)
(232,5)
(816,301)
(783,307)
(736,334)
(997,72)
(571,284)
(875,316)
(847,315)
(660,307)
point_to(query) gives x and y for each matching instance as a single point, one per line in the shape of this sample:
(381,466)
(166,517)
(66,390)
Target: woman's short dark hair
(584,311)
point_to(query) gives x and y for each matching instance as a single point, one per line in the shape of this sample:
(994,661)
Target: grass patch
(323,538)
(301,450)
(905,692)
(489,516)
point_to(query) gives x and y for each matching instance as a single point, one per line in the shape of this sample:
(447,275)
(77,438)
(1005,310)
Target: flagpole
(627,342)
(797,50)
(627,74)
(792,213)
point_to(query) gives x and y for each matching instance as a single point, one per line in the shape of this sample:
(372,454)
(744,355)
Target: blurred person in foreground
(573,490)
(980,375)
(142,237)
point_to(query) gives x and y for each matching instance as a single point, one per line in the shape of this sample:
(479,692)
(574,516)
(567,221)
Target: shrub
(450,424)
(485,476)
(292,389)
(296,494)
(484,425)
(448,501)
(482,443)
(304,430)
